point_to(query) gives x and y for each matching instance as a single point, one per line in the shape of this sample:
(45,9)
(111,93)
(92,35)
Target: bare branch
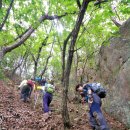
(99,2)
(7,14)
(78,48)
(117,23)
(78,3)
(19,63)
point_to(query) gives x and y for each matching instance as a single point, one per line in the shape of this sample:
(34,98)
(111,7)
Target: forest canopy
(50,22)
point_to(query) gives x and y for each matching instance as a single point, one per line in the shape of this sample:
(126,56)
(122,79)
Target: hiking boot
(93,128)
(95,114)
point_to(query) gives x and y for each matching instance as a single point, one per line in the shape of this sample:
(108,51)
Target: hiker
(38,80)
(47,97)
(96,118)
(41,82)
(26,90)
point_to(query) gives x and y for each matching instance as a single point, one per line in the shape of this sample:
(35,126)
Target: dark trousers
(25,92)
(47,98)
(96,118)
(30,92)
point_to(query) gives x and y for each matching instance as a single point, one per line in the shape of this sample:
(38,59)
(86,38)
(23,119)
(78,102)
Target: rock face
(114,71)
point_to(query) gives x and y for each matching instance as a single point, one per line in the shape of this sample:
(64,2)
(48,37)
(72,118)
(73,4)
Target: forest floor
(17,115)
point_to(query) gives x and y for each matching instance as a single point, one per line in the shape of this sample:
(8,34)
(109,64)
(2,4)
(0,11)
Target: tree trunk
(74,35)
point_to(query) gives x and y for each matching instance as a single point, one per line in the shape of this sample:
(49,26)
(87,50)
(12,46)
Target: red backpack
(30,82)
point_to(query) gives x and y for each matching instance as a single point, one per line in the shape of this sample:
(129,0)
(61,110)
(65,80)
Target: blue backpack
(98,89)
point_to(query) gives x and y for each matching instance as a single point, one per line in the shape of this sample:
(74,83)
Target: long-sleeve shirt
(23,83)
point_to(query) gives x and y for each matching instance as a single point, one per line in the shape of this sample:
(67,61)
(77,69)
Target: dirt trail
(16,115)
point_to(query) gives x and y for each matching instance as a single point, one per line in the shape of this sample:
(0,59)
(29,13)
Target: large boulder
(114,71)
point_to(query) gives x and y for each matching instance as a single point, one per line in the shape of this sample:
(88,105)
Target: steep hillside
(16,115)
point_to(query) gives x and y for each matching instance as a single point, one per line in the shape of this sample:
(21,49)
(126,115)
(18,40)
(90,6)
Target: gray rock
(114,71)
(125,30)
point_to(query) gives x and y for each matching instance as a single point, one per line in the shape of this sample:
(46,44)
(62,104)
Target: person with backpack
(41,82)
(92,93)
(26,90)
(47,97)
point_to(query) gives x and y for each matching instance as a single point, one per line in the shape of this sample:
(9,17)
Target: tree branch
(25,36)
(78,49)
(19,63)
(117,23)
(7,14)
(78,3)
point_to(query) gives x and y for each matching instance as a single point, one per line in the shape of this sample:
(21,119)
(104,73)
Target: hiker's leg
(24,97)
(21,95)
(101,120)
(45,103)
(49,99)
(92,121)
(30,91)
(26,93)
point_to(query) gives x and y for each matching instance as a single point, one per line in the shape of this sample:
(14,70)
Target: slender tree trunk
(76,66)
(84,66)
(75,32)
(45,67)
(19,64)
(36,60)
(35,70)
(63,55)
